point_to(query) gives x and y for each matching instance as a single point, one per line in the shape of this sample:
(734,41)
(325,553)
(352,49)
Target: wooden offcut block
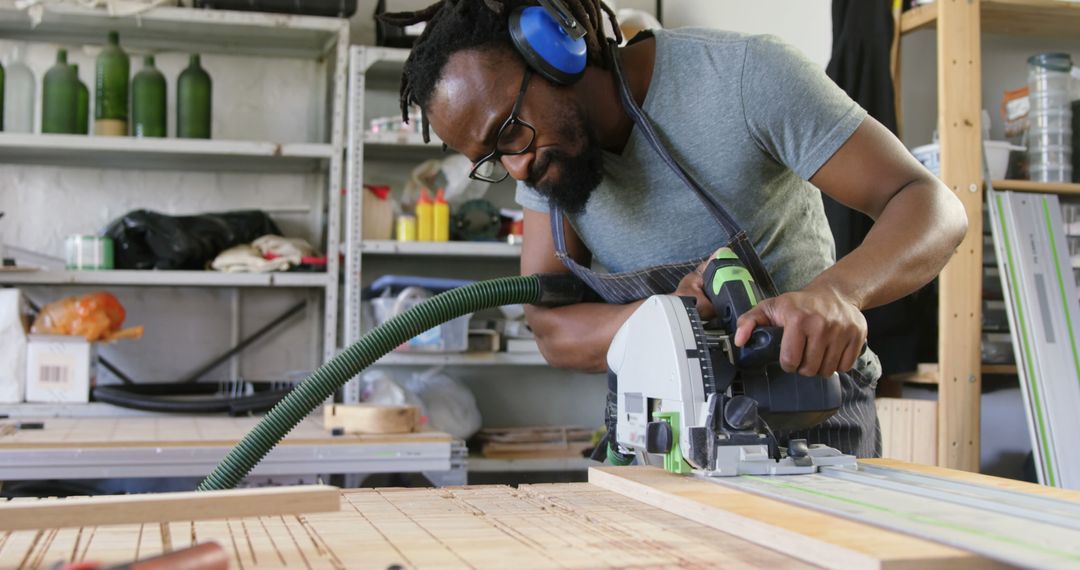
(908,429)
(370,418)
(165,507)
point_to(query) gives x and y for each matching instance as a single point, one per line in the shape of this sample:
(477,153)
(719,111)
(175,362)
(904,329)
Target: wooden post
(959,313)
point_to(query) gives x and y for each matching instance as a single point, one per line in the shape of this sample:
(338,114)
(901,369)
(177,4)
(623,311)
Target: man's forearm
(577,337)
(908,245)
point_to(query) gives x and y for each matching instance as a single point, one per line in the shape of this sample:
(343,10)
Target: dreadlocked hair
(455,25)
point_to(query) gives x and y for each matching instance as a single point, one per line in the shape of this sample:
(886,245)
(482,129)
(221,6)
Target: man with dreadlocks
(759,126)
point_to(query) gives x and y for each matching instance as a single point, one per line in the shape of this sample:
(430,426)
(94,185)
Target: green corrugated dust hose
(540,289)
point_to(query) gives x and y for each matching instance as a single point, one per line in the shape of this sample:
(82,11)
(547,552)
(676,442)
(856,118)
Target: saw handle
(732,291)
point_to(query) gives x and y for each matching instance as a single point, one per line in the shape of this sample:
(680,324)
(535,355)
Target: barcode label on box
(54,375)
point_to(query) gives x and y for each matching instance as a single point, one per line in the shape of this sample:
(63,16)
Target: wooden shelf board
(1043,18)
(1063,188)
(918,18)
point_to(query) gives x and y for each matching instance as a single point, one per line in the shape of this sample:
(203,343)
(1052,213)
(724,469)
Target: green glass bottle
(1,97)
(82,104)
(148,101)
(193,90)
(111,90)
(59,97)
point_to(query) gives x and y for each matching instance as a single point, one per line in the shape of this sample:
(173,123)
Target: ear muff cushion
(546,47)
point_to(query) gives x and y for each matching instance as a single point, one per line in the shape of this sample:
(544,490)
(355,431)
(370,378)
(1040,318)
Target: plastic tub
(1054,120)
(1044,140)
(1050,173)
(997,157)
(452,336)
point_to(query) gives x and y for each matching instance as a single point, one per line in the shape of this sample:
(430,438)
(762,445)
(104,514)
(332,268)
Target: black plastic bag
(143,239)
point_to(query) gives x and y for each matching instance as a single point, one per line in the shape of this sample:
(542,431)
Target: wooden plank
(924,432)
(370,419)
(918,18)
(806,534)
(959,314)
(902,428)
(164,507)
(1042,18)
(1063,188)
(885,423)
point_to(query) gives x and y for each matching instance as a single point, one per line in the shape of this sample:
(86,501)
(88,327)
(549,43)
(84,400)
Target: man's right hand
(693,285)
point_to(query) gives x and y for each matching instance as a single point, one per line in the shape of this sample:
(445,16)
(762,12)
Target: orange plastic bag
(94,316)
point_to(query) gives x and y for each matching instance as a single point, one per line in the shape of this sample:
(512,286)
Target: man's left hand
(823,333)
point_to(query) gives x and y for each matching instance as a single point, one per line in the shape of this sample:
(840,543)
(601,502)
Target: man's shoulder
(706,37)
(720,47)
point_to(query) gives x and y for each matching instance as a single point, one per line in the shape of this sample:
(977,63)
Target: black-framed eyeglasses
(515,137)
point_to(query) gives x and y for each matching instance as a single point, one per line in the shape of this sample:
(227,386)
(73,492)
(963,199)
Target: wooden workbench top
(573,525)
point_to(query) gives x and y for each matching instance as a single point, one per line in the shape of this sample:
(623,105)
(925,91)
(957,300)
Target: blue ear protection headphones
(551,40)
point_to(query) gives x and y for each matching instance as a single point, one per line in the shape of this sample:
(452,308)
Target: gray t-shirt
(752,119)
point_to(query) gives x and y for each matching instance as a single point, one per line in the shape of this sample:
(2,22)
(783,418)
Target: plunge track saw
(692,398)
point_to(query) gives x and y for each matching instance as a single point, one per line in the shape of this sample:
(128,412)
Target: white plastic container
(452,336)
(997,157)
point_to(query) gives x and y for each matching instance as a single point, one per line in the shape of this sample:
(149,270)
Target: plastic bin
(452,336)
(997,157)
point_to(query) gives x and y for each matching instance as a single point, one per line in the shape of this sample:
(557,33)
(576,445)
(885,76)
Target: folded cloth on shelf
(247,259)
(266,254)
(277,247)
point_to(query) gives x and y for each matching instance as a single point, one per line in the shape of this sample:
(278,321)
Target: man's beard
(579,174)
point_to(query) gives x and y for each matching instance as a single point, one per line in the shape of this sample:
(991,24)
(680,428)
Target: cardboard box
(59,369)
(12,346)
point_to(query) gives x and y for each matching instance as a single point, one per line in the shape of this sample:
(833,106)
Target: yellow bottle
(425,225)
(441,216)
(406,228)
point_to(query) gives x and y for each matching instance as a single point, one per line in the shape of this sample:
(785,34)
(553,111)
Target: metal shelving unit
(382,66)
(207,31)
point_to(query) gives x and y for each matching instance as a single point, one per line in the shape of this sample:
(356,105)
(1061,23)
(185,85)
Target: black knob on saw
(658,437)
(741,413)
(797,448)
(762,349)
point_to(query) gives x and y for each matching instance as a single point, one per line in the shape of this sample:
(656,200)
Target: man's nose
(518,165)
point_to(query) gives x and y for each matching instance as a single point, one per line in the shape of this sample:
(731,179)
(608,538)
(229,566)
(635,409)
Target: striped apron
(853,429)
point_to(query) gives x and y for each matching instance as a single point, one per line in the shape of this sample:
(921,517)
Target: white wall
(805,24)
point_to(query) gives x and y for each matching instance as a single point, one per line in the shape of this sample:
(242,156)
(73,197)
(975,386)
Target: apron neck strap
(739,241)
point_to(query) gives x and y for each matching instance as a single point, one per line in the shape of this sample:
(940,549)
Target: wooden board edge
(792,542)
(167,507)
